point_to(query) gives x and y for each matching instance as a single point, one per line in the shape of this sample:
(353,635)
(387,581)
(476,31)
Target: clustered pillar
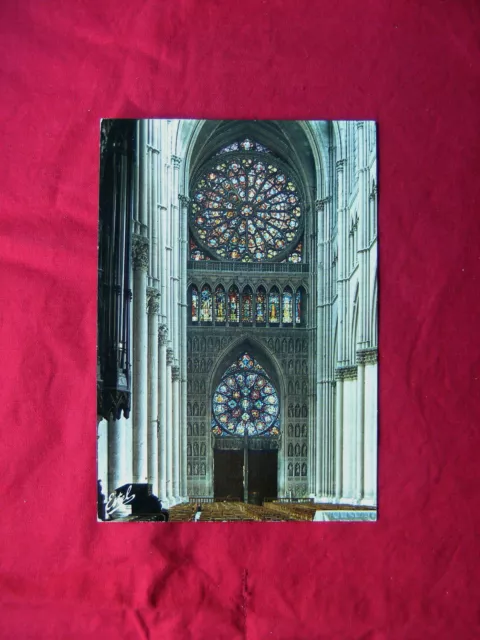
(346,430)
(150,447)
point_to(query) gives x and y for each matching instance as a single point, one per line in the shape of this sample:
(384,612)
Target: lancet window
(206,304)
(274,308)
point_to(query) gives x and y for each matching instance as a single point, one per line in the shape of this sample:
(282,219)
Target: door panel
(262,475)
(228,474)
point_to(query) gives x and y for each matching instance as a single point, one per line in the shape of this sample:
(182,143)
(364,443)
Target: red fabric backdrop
(413,66)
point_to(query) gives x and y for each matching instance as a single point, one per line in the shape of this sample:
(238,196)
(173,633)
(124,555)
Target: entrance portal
(246,426)
(229,476)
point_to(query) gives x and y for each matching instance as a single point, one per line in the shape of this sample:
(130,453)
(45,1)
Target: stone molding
(346,373)
(367,356)
(321,204)
(153,301)
(140,257)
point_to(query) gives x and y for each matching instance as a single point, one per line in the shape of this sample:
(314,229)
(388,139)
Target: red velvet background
(413,66)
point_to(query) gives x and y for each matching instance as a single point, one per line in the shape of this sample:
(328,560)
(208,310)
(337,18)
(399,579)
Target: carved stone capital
(176,161)
(340,165)
(112,402)
(175,373)
(184,200)
(367,356)
(170,358)
(346,373)
(162,334)
(153,301)
(140,258)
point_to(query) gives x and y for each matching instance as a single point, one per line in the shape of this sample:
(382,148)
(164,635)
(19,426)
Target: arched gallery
(237,316)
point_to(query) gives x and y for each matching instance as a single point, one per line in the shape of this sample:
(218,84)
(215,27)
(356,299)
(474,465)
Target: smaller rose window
(245,401)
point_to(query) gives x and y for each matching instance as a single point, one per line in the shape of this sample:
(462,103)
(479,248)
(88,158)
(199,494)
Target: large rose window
(246,208)
(245,401)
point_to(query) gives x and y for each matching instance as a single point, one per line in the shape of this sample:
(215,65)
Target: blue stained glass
(220,305)
(194,304)
(206,305)
(233,305)
(195,253)
(274,308)
(298,307)
(287,307)
(249,401)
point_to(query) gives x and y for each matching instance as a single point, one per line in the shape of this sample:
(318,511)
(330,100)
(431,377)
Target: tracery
(246,208)
(245,401)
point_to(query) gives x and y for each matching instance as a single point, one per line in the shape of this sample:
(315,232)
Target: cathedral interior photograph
(237,321)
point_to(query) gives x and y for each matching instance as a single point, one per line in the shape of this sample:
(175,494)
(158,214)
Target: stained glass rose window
(245,401)
(246,208)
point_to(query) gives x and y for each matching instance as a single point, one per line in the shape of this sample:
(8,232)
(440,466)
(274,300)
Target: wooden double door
(231,481)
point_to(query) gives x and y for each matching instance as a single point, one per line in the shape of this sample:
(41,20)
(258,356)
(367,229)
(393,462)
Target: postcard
(237,340)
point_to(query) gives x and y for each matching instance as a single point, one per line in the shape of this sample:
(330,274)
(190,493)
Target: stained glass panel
(244,145)
(298,307)
(245,401)
(260,306)
(287,307)
(245,208)
(247,305)
(206,305)
(220,306)
(274,307)
(233,305)
(194,304)
(196,253)
(296,256)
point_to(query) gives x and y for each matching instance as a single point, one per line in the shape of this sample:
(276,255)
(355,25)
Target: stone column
(169,427)
(114,456)
(153,310)
(183,439)
(162,411)
(371,428)
(349,432)
(317,443)
(360,444)
(342,303)
(163,267)
(184,204)
(176,432)
(102,453)
(175,276)
(140,357)
(324,445)
(364,241)
(339,438)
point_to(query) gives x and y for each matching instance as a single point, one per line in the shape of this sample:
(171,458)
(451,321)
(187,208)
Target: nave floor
(242,512)
(268,512)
